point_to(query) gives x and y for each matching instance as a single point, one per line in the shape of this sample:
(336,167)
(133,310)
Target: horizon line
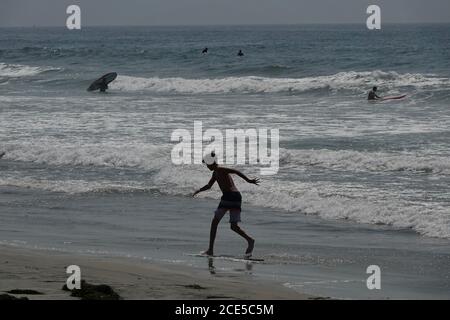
(224,25)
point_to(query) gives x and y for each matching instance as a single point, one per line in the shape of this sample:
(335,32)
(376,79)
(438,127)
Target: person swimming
(240,53)
(372,94)
(205,51)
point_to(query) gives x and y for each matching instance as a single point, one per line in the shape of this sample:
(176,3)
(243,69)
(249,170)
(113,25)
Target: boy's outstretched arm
(243,176)
(206,187)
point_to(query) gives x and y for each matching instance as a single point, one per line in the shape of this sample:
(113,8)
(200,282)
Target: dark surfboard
(96,85)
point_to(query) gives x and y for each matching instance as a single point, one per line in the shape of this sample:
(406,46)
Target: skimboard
(393,97)
(227,257)
(108,78)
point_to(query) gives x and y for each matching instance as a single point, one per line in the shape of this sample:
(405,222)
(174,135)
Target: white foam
(352,80)
(325,199)
(111,154)
(17,70)
(330,201)
(363,206)
(367,161)
(72,186)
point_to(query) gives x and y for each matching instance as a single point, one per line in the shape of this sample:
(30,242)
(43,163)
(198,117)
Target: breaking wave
(367,161)
(357,81)
(18,70)
(149,157)
(325,199)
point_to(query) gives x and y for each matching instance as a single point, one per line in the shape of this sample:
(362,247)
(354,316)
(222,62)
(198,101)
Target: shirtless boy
(230,201)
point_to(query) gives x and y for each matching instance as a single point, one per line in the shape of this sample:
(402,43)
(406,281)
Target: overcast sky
(210,12)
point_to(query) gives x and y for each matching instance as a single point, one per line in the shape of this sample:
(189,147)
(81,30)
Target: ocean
(371,168)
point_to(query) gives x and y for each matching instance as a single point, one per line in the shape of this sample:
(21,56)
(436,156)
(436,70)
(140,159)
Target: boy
(230,201)
(373,94)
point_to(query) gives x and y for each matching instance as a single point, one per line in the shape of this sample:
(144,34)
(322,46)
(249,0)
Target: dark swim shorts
(230,201)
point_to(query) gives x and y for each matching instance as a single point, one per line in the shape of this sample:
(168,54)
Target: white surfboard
(227,257)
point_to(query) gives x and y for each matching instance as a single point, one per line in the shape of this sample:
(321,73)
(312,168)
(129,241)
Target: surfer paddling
(373,94)
(230,201)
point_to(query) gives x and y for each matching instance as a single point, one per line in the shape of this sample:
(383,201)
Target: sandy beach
(132,279)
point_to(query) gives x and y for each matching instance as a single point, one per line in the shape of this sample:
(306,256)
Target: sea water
(342,159)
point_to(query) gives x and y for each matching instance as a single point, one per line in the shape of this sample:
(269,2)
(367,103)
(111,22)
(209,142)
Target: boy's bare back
(224,179)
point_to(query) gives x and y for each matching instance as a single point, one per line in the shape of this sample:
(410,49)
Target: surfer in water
(103,85)
(240,53)
(205,51)
(373,95)
(230,201)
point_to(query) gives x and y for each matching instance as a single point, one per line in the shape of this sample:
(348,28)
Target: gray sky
(209,12)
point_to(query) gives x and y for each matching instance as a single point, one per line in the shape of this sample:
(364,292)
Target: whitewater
(341,159)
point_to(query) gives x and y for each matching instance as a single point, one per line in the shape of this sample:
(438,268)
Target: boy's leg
(212,233)
(251,242)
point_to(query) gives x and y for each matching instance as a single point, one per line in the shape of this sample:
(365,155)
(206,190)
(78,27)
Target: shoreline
(136,233)
(131,278)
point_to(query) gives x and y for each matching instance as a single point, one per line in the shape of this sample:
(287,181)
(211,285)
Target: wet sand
(45,272)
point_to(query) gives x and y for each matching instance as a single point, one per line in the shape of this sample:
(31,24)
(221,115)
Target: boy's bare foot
(251,245)
(208,253)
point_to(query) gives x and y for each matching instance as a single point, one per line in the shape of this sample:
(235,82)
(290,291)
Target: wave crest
(366,161)
(357,81)
(18,70)
(325,199)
